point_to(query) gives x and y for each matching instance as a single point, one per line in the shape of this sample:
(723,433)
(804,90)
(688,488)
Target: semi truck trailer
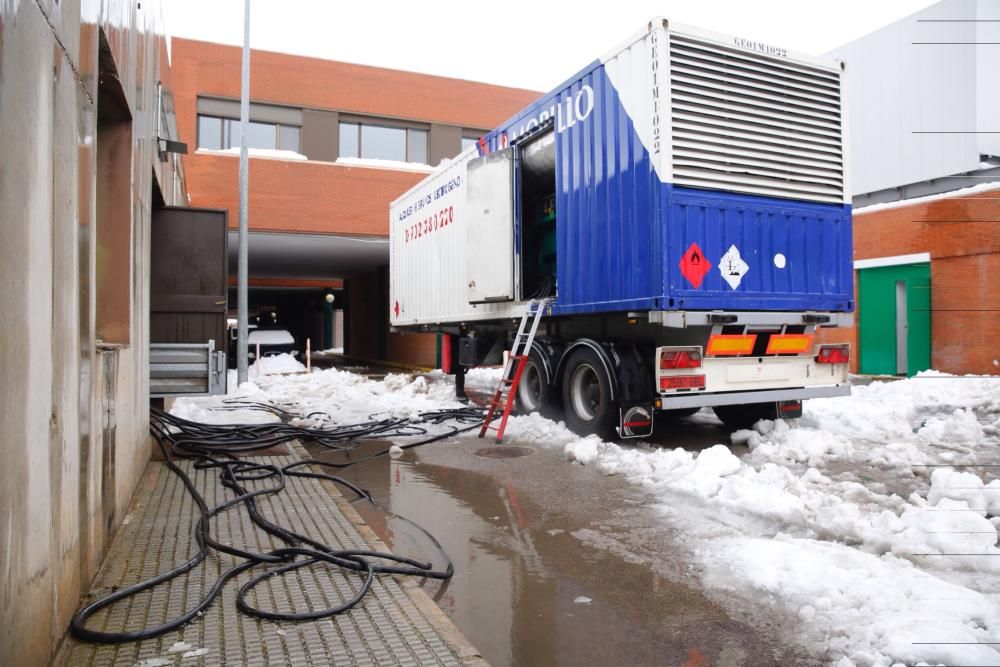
(679,208)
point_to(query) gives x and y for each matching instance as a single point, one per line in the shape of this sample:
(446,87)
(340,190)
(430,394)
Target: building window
(209,132)
(215,133)
(288,138)
(259,135)
(416,146)
(468,142)
(381,142)
(349,139)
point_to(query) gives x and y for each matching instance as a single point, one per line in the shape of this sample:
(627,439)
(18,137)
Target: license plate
(758,372)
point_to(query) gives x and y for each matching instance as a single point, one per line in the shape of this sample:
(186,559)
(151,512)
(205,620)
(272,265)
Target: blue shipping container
(692,171)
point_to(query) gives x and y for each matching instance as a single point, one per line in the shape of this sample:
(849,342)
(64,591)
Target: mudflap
(635,421)
(789,409)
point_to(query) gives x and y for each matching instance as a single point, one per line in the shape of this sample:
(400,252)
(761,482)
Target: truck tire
(534,393)
(745,416)
(586,390)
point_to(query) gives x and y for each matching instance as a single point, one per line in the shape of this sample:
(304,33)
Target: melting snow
(867,519)
(276,363)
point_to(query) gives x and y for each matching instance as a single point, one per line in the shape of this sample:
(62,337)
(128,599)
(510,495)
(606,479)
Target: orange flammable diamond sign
(694,265)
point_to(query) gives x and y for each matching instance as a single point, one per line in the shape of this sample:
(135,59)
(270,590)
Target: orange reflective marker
(789,344)
(723,345)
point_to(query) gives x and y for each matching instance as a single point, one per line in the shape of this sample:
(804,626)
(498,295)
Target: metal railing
(186,369)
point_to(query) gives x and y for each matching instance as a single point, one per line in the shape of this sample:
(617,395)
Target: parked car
(272,342)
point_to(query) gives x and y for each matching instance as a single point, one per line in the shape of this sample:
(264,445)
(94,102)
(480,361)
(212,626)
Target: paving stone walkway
(396,623)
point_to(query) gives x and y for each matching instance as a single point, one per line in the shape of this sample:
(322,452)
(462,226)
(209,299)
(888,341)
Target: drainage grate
(504,452)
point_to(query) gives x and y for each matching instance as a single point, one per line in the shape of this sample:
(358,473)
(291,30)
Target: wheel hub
(586,392)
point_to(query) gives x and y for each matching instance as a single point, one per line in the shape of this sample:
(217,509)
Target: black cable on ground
(217,447)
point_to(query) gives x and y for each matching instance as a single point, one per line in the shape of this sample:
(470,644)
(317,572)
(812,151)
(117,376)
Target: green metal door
(894,304)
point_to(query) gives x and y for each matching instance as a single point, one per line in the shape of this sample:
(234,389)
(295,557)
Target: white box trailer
(683,197)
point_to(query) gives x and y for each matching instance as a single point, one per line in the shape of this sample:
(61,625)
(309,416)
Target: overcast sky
(533,45)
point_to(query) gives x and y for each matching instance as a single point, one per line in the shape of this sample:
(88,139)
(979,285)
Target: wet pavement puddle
(555,564)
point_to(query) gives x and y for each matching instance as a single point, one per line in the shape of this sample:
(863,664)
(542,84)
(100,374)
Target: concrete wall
(73,411)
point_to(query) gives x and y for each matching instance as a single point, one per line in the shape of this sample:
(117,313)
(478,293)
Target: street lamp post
(241,279)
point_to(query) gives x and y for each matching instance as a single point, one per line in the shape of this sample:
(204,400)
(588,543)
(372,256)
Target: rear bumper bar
(761,396)
(691,318)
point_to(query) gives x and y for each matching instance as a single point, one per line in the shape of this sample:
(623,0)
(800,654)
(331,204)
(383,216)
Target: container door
(489,243)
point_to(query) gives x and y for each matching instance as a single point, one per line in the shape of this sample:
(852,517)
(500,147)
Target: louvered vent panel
(748,123)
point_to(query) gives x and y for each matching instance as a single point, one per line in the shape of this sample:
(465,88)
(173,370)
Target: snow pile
(867,521)
(339,397)
(867,570)
(856,608)
(276,363)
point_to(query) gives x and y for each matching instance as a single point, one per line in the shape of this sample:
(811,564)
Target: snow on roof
(963,192)
(373,163)
(270,337)
(272,153)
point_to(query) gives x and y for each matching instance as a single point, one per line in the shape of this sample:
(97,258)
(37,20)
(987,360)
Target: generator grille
(754,124)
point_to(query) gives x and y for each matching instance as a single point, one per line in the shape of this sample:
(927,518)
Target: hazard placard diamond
(694,265)
(732,267)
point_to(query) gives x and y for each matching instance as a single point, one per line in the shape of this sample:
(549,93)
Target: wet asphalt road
(557,564)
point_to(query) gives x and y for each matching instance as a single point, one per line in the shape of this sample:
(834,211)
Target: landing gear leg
(458,369)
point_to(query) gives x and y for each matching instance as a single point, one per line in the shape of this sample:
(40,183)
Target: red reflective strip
(634,424)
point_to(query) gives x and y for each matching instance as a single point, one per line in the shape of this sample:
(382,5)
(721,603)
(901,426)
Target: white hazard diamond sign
(732,267)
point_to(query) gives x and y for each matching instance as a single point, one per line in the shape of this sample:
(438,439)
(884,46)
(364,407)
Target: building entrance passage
(895,319)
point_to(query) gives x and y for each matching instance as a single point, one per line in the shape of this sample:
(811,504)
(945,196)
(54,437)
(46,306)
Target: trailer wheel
(745,416)
(534,393)
(586,390)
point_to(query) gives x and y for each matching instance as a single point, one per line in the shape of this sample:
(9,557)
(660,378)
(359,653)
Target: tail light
(833,354)
(674,359)
(726,345)
(789,343)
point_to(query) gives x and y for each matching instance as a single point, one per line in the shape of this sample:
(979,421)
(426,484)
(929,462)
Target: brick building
(925,167)
(331,145)
(945,250)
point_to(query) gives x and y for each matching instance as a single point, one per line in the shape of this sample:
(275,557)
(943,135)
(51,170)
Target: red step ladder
(516,362)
